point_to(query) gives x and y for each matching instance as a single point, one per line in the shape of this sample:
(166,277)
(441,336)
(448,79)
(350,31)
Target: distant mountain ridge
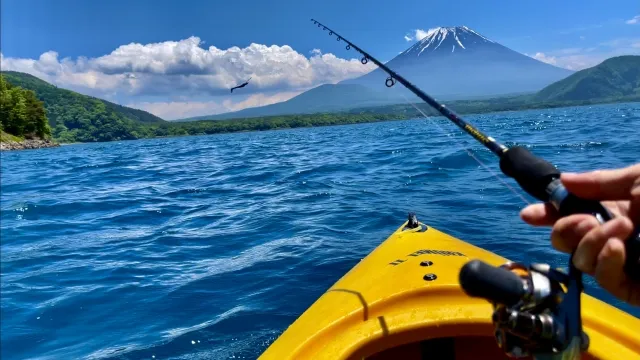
(614,77)
(449,63)
(335,98)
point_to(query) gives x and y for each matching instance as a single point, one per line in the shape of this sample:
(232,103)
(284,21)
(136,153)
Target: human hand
(599,248)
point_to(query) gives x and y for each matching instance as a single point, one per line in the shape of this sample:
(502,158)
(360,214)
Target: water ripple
(210,246)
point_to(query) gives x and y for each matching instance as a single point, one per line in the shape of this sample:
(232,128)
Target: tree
(21,113)
(5,102)
(36,122)
(17,112)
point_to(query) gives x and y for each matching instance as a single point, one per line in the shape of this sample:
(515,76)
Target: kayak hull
(404,298)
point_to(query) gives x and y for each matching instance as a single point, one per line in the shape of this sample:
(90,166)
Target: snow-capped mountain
(448,39)
(449,63)
(458,62)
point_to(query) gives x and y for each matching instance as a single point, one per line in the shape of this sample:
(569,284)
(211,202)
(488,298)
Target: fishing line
(489,142)
(468,150)
(540,179)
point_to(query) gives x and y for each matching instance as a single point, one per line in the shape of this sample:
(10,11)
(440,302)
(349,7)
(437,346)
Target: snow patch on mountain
(460,37)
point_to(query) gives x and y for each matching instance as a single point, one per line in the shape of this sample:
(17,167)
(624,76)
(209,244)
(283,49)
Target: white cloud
(544,58)
(571,62)
(171,110)
(421,34)
(417,34)
(580,61)
(183,67)
(634,20)
(154,75)
(581,58)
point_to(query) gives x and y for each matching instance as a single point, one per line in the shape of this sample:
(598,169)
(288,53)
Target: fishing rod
(487,141)
(540,179)
(536,176)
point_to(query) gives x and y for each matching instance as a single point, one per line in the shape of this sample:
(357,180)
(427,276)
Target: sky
(178,59)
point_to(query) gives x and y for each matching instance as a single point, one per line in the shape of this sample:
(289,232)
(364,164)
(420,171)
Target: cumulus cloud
(171,110)
(408,38)
(634,20)
(135,72)
(137,69)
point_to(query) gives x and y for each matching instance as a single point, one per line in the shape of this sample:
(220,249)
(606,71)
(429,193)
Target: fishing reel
(536,309)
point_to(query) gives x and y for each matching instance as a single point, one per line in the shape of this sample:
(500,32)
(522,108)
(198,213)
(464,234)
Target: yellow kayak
(404,301)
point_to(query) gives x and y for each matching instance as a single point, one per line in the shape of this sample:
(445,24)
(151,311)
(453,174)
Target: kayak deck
(404,301)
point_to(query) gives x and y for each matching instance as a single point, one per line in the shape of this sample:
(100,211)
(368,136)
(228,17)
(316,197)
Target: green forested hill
(77,117)
(614,78)
(21,113)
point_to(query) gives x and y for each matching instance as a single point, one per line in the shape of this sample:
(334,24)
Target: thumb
(605,184)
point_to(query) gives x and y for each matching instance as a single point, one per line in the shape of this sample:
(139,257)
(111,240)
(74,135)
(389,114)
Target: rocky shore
(27,144)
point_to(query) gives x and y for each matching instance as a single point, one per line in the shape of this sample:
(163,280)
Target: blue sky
(568,34)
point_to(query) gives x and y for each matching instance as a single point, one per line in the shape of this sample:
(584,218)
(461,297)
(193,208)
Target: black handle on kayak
(499,285)
(540,179)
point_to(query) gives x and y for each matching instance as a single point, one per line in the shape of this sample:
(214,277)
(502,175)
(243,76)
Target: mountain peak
(448,39)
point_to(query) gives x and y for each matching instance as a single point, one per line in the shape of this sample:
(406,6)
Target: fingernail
(525,212)
(569,174)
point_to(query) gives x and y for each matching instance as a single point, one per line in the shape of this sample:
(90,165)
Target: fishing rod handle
(568,204)
(541,180)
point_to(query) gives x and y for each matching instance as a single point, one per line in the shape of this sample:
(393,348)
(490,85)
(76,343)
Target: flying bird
(241,85)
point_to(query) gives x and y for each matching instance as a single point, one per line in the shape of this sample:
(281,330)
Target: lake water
(210,246)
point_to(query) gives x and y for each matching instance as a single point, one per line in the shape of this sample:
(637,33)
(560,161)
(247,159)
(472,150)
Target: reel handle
(498,285)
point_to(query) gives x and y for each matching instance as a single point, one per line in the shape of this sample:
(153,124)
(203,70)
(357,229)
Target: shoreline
(400,117)
(404,118)
(391,116)
(29,144)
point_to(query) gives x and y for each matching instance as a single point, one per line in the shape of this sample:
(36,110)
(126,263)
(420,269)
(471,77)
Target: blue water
(210,246)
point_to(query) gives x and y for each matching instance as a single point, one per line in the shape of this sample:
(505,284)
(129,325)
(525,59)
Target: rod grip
(532,173)
(498,285)
(575,205)
(535,175)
